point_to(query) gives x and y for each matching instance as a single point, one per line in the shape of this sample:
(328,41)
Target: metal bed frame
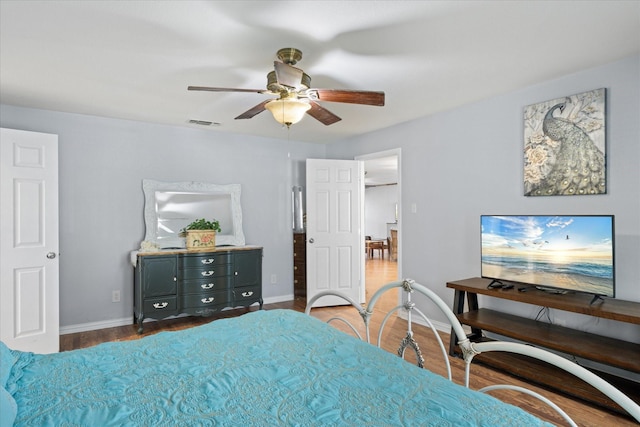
(468,348)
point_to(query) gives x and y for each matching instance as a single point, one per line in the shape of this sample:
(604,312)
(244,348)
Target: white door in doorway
(29,301)
(334,222)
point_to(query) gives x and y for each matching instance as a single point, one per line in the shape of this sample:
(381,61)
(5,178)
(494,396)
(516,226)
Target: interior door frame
(398,153)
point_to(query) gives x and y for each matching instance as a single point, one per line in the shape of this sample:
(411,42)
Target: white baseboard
(282,298)
(103,324)
(92,326)
(440,326)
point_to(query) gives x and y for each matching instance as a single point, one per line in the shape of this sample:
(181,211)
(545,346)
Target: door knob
(311,240)
(51,255)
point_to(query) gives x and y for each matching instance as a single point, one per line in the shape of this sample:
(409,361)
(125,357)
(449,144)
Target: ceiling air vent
(203,122)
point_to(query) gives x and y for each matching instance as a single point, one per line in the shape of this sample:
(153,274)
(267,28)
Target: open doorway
(381,219)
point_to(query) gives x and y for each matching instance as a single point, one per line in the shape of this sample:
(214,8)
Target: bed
(468,348)
(264,368)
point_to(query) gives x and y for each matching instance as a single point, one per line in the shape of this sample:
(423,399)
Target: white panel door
(29,268)
(334,220)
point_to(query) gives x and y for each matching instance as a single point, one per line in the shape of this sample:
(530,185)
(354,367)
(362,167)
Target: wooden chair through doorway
(373,245)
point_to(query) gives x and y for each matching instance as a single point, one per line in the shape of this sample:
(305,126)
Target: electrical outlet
(274,279)
(115,296)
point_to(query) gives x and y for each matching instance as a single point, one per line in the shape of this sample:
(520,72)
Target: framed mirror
(171,206)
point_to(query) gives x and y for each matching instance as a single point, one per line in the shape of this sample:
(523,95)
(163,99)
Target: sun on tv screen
(564,253)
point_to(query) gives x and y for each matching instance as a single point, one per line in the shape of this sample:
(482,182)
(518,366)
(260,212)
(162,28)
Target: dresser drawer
(205,272)
(247,294)
(160,307)
(211,284)
(195,261)
(205,299)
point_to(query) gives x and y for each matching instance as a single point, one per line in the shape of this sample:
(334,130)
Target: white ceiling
(381,171)
(134,59)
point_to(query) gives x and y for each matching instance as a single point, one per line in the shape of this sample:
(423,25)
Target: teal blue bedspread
(265,368)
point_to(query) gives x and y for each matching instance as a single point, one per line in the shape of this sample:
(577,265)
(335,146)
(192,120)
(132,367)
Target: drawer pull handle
(207,273)
(160,304)
(247,294)
(207,300)
(207,261)
(207,286)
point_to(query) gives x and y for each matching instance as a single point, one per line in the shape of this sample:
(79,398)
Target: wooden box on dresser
(172,282)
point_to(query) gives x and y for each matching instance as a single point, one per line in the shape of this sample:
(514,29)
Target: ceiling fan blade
(348,96)
(321,114)
(225,89)
(288,75)
(254,111)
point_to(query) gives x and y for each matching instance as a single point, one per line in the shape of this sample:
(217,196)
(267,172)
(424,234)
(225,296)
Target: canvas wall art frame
(565,146)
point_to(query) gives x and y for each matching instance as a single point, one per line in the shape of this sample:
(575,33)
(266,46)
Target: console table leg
(458,308)
(472,302)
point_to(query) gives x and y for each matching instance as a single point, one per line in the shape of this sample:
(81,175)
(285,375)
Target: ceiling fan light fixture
(292,86)
(287,111)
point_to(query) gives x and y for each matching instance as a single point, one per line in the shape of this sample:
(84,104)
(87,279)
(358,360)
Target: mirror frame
(149,187)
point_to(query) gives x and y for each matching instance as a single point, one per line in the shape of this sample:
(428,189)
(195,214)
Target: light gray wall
(466,162)
(379,209)
(455,166)
(102,164)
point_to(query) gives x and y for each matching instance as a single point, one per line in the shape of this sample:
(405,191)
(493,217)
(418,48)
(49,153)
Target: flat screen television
(560,253)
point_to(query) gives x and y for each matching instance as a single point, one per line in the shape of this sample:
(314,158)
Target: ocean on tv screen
(574,253)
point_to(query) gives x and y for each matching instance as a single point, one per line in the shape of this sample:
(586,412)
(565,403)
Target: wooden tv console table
(604,350)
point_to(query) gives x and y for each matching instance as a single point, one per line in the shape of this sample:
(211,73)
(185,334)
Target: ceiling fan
(295,95)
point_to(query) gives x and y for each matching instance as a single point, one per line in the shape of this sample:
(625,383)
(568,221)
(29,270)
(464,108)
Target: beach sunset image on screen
(574,253)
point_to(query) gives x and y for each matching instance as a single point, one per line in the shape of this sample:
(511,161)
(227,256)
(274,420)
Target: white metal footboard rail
(408,286)
(573,368)
(470,349)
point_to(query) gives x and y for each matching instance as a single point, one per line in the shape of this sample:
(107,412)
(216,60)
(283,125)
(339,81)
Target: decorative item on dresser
(172,282)
(300,264)
(201,234)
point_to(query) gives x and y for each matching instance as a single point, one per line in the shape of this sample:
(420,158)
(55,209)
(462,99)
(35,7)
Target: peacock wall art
(564,146)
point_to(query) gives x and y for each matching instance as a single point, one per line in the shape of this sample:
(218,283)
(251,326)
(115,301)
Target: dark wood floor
(379,272)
